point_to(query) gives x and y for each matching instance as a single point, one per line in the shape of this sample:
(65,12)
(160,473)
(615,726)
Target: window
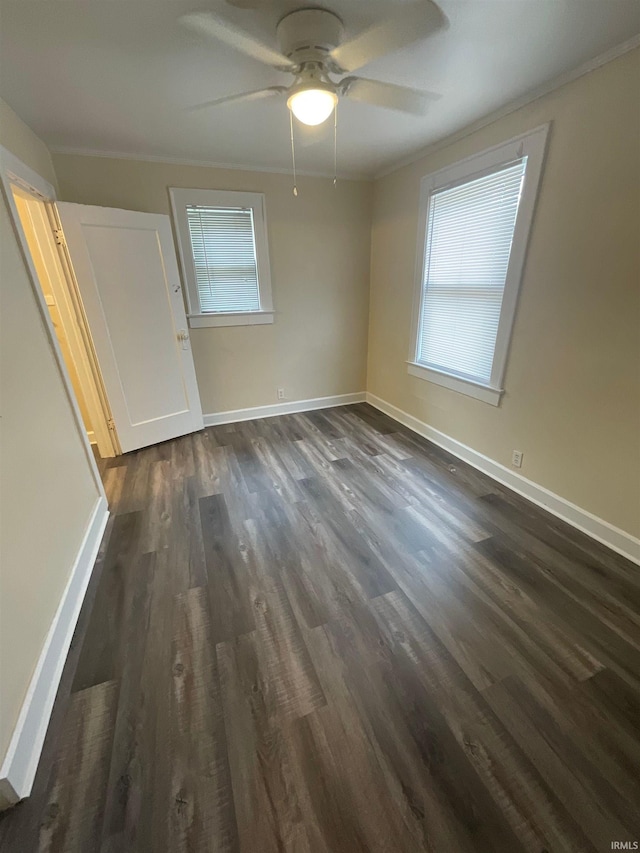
(474,224)
(222,239)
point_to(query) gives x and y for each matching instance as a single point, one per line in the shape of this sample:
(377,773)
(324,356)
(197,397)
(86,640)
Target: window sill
(486,393)
(241,318)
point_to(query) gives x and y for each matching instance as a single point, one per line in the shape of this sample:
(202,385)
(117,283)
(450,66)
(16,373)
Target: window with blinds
(469,234)
(224,256)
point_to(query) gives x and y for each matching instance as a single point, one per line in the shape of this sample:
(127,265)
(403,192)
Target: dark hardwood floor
(322,633)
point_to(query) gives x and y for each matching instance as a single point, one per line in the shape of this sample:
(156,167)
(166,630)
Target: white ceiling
(115,75)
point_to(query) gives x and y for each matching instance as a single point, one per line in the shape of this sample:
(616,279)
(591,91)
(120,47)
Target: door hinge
(111,424)
(58,233)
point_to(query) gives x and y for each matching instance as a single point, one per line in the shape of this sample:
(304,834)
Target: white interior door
(126,268)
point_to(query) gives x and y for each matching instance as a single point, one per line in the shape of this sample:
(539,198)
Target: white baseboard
(20,763)
(217,418)
(613,537)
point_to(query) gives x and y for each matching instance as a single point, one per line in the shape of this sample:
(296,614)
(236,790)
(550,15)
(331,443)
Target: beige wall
(47,491)
(572,401)
(319,253)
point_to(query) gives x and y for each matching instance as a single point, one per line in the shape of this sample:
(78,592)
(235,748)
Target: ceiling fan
(312,49)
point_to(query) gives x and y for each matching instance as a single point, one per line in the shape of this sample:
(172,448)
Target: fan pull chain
(335,145)
(293,156)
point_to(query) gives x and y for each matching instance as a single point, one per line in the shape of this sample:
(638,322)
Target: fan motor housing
(309,30)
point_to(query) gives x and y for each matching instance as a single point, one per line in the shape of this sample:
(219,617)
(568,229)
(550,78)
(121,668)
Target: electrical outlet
(281,394)
(516,458)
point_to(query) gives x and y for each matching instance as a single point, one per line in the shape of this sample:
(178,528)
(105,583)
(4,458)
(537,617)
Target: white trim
(485,158)
(239,318)
(209,164)
(13,170)
(21,760)
(533,146)
(19,173)
(457,383)
(597,528)
(512,106)
(230,417)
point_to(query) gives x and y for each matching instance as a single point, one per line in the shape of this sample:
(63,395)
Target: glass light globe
(312,106)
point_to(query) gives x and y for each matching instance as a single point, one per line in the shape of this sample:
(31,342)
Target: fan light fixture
(313,49)
(312,106)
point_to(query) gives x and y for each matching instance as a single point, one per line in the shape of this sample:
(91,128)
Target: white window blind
(224,255)
(470,229)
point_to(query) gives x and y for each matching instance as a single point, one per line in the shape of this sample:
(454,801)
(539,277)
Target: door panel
(127,274)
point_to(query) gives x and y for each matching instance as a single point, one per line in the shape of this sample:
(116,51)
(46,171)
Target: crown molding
(513,106)
(208,164)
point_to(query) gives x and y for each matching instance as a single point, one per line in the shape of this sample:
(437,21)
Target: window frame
(180,199)
(533,146)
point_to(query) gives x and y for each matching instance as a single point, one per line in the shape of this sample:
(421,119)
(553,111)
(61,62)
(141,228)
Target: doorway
(107,284)
(56,281)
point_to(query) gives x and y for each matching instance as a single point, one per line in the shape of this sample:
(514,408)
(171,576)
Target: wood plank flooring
(320,633)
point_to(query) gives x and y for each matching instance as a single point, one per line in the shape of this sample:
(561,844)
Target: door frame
(14,172)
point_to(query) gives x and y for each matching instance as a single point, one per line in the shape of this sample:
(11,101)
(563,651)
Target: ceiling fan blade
(245,97)
(388,95)
(415,22)
(213,26)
